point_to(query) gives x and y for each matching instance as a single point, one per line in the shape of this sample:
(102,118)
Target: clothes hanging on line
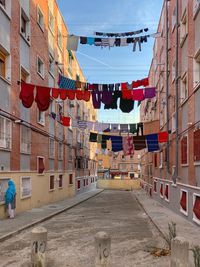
(152,142)
(122,34)
(128,146)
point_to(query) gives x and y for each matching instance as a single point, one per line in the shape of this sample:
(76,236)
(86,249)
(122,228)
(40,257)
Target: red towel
(65,121)
(124,86)
(86,96)
(138,94)
(79,94)
(27,94)
(55,92)
(162,137)
(127,94)
(71,94)
(43,97)
(63,94)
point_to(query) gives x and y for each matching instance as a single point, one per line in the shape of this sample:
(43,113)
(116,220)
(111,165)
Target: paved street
(71,235)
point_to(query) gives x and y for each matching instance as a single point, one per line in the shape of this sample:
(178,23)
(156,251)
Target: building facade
(172,175)
(43,157)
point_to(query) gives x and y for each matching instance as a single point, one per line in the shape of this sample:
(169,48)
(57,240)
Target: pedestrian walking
(10,199)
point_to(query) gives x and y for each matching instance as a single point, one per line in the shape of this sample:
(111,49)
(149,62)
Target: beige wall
(41,194)
(119,184)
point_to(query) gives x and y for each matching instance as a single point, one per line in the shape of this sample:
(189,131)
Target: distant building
(37,152)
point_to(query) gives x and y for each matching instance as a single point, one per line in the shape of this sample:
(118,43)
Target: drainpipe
(167,84)
(177,94)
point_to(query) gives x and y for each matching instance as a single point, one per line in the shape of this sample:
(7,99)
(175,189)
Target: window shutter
(183,201)
(166,191)
(197,145)
(184,150)
(196,208)
(41,165)
(155,160)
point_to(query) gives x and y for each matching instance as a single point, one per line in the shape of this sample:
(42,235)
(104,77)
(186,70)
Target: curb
(11,234)
(152,221)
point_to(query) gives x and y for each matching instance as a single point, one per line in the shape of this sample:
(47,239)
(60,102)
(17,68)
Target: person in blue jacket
(10,199)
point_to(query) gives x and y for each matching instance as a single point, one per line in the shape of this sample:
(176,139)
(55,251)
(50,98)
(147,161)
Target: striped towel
(105,42)
(66,83)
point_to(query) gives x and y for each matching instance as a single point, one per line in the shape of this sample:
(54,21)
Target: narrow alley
(71,235)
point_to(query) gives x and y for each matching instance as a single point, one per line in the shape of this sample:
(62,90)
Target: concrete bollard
(179,252)
(102,249)
(38,247)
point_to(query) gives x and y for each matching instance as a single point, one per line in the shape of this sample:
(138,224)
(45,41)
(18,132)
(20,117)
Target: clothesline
(68,83)
(128,144)
(74,40)
(122,34)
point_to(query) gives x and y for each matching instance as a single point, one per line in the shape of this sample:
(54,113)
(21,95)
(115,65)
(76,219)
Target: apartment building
(172,175)
(41,155)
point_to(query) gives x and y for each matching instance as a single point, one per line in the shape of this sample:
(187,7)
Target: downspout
(177,94)
(167,84)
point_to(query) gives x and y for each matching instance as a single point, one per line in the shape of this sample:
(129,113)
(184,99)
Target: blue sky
(119,64)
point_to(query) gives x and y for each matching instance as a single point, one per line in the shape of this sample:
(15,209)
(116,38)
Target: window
(3,188)
(87,182)
(51,64)
(184,152)
(60,151)
(25,140)
(24,75)
(78,184)
(197,145)
(161,190)
(41,117)
(196,208)
(2,64)
(196,68)
(155,186)
(183,28)
(51,21)
(174,19)
(167,192)
(3,3)
(123,157)
(161,160)
(196,7)
(60,182)
(5,133)
(155,160)
(60,39)
(184,202)
(25,25)
(40,67)
(40,19)
(70,178)
(173,123)
(184,88)
(40,165)
(26,187)
(84,182)
(51,183)
(51,148)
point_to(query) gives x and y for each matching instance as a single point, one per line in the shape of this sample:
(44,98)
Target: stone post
(38,247)
(179,252)
(102,249)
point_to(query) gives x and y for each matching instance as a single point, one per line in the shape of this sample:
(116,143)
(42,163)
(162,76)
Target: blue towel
(90,40)
(117,144)
(152,142)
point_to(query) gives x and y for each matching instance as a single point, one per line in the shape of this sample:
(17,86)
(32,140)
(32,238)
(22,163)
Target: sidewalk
(32,217)
(161,216)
